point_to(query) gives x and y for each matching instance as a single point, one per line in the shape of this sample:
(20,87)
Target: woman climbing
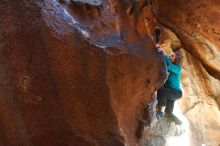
(171,90)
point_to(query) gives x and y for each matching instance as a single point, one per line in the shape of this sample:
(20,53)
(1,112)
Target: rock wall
(198,104)
(194,28)
(196,25)
(80,73)
(84,72)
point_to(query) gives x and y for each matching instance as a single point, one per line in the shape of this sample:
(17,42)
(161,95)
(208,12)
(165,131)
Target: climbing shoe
(159,116)
(175,119)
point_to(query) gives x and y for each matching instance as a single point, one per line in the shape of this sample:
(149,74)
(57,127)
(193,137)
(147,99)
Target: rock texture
(85,72)
(77,73)
(196,24)
(164,130)
(198,103)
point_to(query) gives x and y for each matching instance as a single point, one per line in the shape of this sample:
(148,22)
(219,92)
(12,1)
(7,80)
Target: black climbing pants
(167,97)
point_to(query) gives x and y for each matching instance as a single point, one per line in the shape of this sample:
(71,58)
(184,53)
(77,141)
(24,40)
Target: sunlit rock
(196,24)
(199,104)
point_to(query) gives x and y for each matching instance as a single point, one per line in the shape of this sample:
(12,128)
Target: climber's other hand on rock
(159,49)
(157,46)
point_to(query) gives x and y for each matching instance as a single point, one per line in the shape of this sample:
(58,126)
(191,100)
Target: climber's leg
(162,101)
(162,97)
(170,106)
(166,98)
(169,112)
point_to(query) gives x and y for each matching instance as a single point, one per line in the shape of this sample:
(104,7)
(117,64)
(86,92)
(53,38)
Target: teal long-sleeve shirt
(174,70)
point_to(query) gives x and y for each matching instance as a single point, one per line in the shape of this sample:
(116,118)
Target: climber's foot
(160,116)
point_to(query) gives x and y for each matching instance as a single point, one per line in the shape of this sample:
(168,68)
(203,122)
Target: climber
(171,90)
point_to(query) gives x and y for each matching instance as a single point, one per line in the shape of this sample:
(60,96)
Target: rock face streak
(77,73)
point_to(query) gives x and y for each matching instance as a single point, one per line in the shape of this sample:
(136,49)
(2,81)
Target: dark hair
(178,58)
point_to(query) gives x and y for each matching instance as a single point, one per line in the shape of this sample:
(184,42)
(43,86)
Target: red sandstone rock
(196,23)
(76,74)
